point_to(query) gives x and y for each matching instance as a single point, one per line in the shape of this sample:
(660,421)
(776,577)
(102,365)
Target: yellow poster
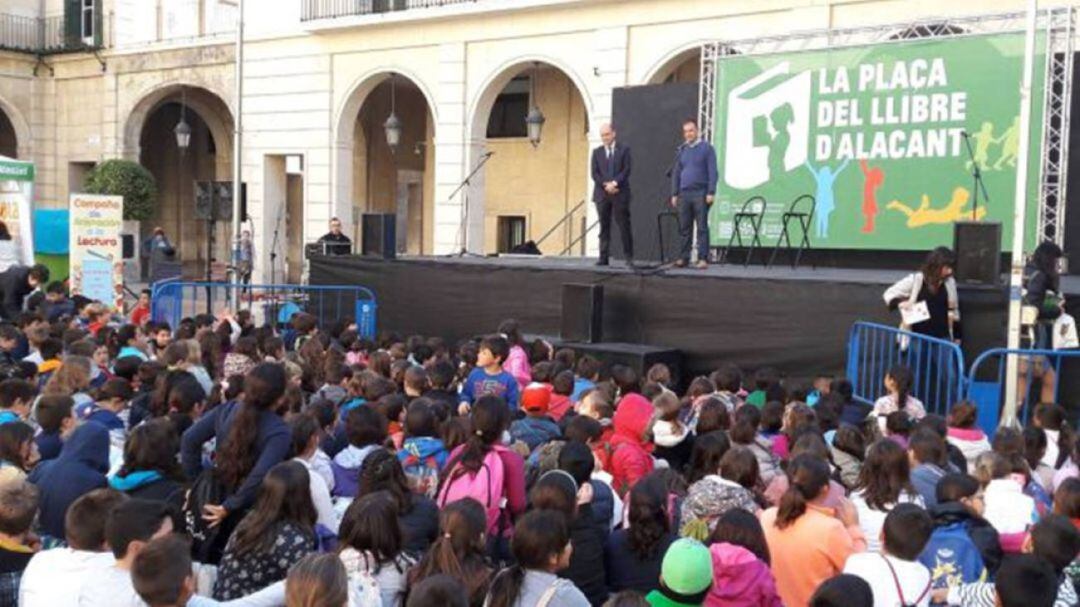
(97,264)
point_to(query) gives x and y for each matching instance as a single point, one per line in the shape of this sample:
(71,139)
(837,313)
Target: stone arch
(21,128)
(361,165)
(477,235)
(149,122)
(667,65)
(208,103)
(361,89)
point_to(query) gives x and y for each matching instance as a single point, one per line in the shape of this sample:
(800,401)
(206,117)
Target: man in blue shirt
(693,188)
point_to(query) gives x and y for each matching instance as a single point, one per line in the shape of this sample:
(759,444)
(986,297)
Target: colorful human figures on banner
(824,195)
(1009,142)
(952,212)
(874,178)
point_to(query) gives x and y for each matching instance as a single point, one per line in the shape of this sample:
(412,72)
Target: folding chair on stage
(801,209)
(752,213)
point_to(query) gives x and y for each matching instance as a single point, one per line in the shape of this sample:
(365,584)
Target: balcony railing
(38,35)
(331,9)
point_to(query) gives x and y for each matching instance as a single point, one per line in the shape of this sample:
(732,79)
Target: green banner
(13,170)
(877,135)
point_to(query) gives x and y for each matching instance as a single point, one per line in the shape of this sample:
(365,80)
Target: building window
(87,21)
(507,117)
(511,232)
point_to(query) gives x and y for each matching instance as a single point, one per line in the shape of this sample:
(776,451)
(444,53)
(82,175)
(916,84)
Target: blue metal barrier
(173,299)
(937,365)
(988,394)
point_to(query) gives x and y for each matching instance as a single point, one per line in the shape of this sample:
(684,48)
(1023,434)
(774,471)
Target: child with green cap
(685,575)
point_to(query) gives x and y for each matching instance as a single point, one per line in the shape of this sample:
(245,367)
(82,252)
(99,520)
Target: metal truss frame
(1058,24)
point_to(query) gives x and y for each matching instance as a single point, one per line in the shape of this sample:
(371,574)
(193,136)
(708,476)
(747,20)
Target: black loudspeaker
(127,245)
(378,235)
(582,313)
(978,252)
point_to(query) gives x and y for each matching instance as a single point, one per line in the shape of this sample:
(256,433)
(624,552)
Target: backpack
(486,486)
(952,557)
(421,473)
(207,543)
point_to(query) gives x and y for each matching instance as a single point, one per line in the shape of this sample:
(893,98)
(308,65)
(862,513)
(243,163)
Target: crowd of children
(223,463)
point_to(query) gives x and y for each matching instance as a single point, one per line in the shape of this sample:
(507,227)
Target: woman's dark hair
(1008,441)
(747,419)
(963,414)
(626,380)
(370,525)
(248,347)
(807,477)
(850,440)
(459,550)
(899,423)
(13,435)
(1045,259)
(512,331)
(648,517)
(420,419)
(772,416)
(844,590)
(901,376)
(741,528)
(263,387)
(706,454)
(303,428)
(284,497)
(555,490)
(490,418)
(885,474)
(740,465)
(713,416)
(1034,445)
(382,471)
(1054,417)
(937,260)
(842,388)
(1067,498)
(152,446)
(538,536)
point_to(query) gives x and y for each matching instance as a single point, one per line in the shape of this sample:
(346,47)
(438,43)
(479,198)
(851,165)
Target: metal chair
(752,212)
(805,216)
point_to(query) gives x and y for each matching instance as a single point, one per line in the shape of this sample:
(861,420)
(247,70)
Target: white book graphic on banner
(761,113)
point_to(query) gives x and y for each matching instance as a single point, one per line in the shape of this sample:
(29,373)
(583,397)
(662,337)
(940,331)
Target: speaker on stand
(978,252)
(378,235)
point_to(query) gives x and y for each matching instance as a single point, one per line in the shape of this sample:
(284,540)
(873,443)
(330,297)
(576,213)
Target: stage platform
(796,320)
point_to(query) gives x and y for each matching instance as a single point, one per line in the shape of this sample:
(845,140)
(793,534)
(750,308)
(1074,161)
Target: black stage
(796,320)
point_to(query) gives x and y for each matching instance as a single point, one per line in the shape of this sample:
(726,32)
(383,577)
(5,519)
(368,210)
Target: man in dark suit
(611,192)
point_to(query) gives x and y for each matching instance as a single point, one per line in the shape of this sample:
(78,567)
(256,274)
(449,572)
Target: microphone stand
(273,259)
(976,175)
(463,226)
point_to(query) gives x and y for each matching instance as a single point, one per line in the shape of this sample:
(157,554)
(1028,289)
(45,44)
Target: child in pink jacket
(740,558)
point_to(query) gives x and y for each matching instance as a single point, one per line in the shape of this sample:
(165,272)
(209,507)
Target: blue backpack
(952,557)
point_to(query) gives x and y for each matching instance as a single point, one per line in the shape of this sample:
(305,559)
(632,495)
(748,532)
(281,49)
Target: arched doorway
(389,180)
(208,157)
(526,191)
(9,142)
(684,66)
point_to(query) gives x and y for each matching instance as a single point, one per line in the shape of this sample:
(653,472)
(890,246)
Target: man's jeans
(692,208)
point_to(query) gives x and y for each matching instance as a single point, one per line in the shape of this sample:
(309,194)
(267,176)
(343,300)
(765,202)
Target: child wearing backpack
(963,547)
(487,471)
(536,428)
(423,453)
(1053,540)
(895,575)
(366,430)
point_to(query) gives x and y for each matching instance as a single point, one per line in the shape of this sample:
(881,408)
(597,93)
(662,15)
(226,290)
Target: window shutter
(72,24)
